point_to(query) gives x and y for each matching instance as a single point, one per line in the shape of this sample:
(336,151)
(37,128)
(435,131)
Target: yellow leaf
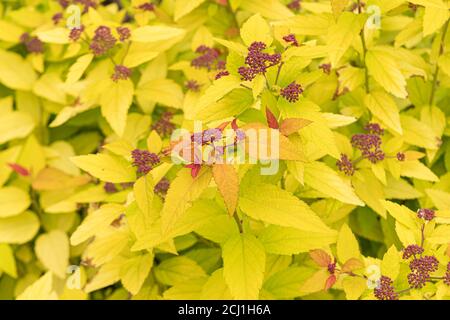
(227,181)
(347,245)
(215,287)
(316,282)
(108,274)
(13,201)
(15,72)
(385,70)
(54,179)
(416,169)
(42,289)
(50,87)
(134,272)
(163,91)
(57,35)
(434,18)
(77,69)
(354,287)
(10,32)
(116,103)
(402,214)
(177,270)
(256,29)
(143,193)
(370,190)
(19,229)
(418,133)
(15,125)
(52,249)
(108,168)
(155,33)
(154,142)
(338,6)
(183,190)
(216,91)
(244,263)
(342,34)
(384,108)
(440,235)
(273,205)
(390,266)
(184,7)
(324,179)
(95,222)
(7,260)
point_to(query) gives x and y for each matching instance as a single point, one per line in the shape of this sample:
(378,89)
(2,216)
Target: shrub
(221,149)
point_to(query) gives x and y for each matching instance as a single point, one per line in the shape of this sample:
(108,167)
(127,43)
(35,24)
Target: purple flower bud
(420,270)
(369,145)
(385,289)
(257,61)
(426,214)
(144,160)
(412,250)
(294,5)
(400,156)
(32,44)
(192,85)
(345,165)
(164,127)
(292,92)
(374,128)
(211,135)
(121,73)
(326,68)
(447,275)
(75,33)
(222,73)
(290,38)
(110,187)
(103,41)
(161,187)
(124,33)
(87,4)
(207,59)
(57,17)
(147,6)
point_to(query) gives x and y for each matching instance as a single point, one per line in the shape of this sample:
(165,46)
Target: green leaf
(134,272)
(244,262)
(7,261)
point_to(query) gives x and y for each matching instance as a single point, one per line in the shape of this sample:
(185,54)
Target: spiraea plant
(224,149)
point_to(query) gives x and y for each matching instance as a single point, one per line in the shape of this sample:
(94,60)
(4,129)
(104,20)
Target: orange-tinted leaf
(330,282)
(271,120)
(320,257)
(352,264)
(227,181)
(54,179)
(292,125)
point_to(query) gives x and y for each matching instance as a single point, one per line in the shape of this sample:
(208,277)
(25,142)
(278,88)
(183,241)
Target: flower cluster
(345,165)
(124,33)
(290,38)
(103,41)
(222,73)
(420,271)
(75,33)
(33,44)
(209,58)
(326,68)
(385,289)
(144,160)
(374,128)
(258,61)
(292,92)
(426,214)
(57,17)
(121,73)
(161,187)
(447,275)
(192,85)
(110,187)
(164,126)
(369,145)
(412,250)
(400,156)
(148,6)
(294,5)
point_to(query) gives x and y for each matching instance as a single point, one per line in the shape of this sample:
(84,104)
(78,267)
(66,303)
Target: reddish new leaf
(330,282)
(320,257)
(19,169)
(292,125)
(227,181)
(272,121)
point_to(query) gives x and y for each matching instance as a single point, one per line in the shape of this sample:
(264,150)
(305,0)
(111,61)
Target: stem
(246,87)
(422,235)
(403,291)
(278,72)
(436,71)
(363,40)
(238,221)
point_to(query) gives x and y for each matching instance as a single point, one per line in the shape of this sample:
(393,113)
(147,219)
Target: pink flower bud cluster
(374,128)
(75,33)
(161,187)
(257,61)
(124,33)
(292,92)
(294,5)
(291,39)
(345,165)
(209,58)
(326,68)
(32,44)
(148,6)
(103,41)
(369,145)
(385,289)
(144,160)
(426,214)
(412,250)
(121,73)
(192,85)
(421,266)
(164,127)
(222,73)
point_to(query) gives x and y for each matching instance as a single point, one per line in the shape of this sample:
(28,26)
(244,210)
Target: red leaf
(320,257)
(19,169)
(271,120)
(330,282)
(195,169)
(223,125)
(234,124)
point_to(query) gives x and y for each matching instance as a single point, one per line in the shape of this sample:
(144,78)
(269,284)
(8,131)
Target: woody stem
(239,222)
(363,41)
